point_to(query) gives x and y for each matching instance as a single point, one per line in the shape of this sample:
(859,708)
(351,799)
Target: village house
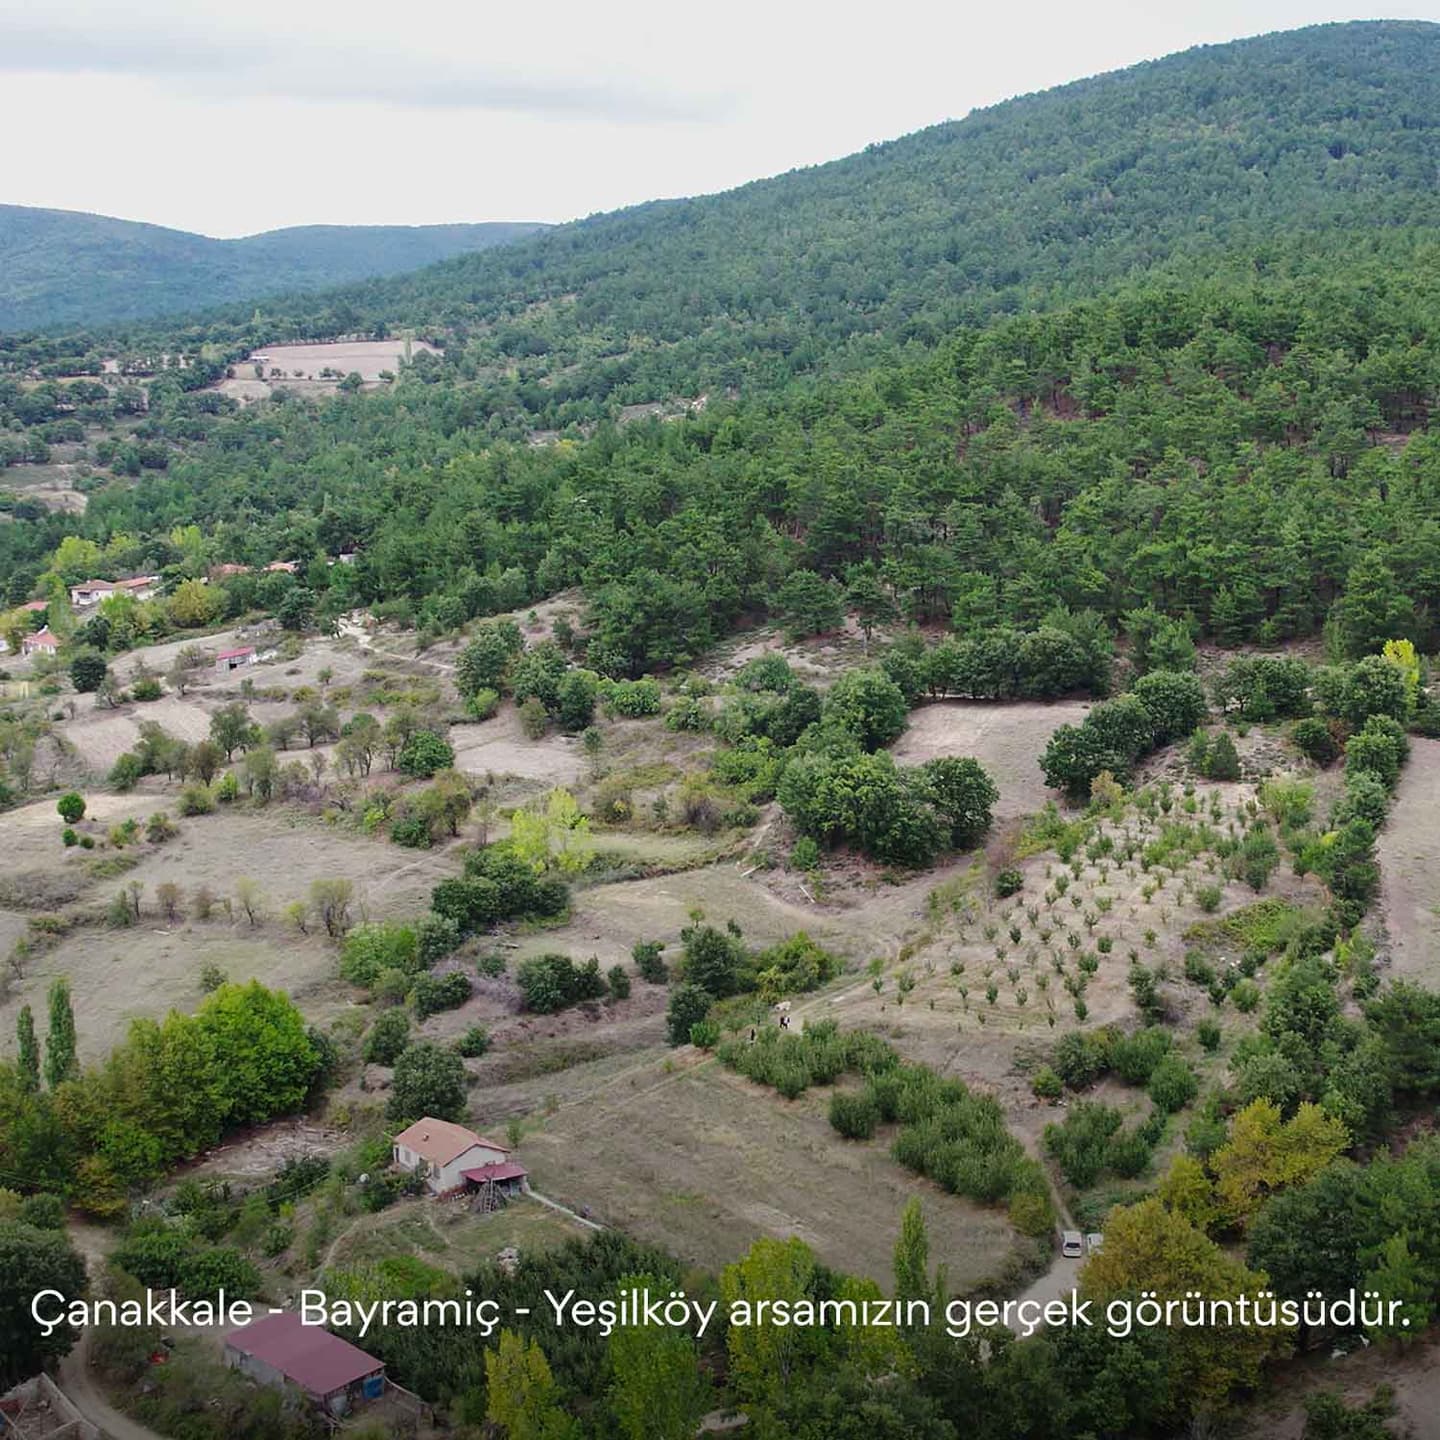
(282,567)
(279,1350)
(91,592)
(42,642)
(228,660)
(34,607)
(451,1158)
(142,587)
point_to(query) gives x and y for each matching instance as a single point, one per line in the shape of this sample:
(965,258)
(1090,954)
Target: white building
(442,1152)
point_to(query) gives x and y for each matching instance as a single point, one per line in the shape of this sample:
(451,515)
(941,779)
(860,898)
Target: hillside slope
(1247,146)
(64,267)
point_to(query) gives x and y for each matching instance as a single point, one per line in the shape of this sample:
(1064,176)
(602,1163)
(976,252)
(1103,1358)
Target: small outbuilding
(281,1350)
(228,660)
(442,1152)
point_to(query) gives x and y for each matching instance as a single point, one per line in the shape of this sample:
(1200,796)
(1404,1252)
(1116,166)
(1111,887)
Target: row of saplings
(946,1132)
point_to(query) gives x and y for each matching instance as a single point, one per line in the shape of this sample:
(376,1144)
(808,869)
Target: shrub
(705,1034)
(1080,1059)
(689,1005)
(633,698)
(552,982)
(435,937)
(1172,1084)
(1224,763)
(1046,1085)
(412,832)
(619,982)
(1380,748)
(648,961)
(805,854)
(1127,1154)
(127,772)
(1366,798)
(1135,1057)
(1080,1146)
(1208,898)
(1312,738)
(423,754)
(1207,1032)
(71,807)
(1008,882)
(377,946)
(434,993)
(483,704)
(196,800)
(1245,996)
(388,1038)
(533,718)
(69,837)
(474,1042)
(854,1116)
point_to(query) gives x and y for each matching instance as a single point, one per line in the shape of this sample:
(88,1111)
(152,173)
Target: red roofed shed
(280,1349)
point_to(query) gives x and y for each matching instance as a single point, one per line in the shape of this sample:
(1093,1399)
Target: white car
(1094,1243)
(1071,1245)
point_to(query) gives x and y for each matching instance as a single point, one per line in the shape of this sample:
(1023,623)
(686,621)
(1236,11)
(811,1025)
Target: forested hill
(1244,146)
(62,267)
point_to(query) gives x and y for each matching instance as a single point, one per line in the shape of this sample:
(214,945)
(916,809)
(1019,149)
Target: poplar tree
(28,1057)
(60,1061)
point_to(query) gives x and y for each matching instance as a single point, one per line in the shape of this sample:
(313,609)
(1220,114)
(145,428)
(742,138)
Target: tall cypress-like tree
(60,1060)
(29,1049)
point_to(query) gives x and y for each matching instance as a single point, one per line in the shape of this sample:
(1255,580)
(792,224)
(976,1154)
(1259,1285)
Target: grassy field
(1006,737)
(450,1235)
(691,1157)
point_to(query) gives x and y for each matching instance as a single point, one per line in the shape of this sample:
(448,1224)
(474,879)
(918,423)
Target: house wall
(447,1177)
(453,1175)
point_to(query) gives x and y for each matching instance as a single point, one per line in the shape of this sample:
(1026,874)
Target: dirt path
(79,1385)
(1408,849)
(563,1209)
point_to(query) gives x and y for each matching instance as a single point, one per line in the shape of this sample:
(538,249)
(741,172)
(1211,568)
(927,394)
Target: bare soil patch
(300,366)
(1006,737)
(498,746)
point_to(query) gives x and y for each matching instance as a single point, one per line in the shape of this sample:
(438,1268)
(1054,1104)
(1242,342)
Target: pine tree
(60,1061)
(29,1050)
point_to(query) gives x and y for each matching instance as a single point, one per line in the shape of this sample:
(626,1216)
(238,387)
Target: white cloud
(212,116)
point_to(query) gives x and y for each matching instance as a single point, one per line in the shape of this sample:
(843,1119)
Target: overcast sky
(233,118)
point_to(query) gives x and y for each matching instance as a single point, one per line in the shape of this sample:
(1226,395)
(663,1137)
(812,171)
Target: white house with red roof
(42,642)
(91,592)
(450,1157)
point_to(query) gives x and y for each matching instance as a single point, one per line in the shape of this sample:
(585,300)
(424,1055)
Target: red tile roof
(499,1170)
(441,1141)
(236,654)
(314,1359)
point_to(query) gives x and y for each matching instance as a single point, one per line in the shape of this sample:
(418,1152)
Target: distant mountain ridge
(68,267)
(1261,153)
